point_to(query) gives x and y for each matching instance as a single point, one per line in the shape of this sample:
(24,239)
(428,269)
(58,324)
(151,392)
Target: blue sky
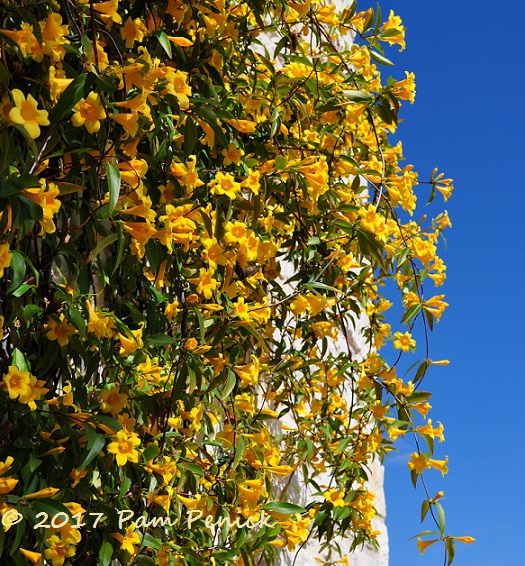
(468,119)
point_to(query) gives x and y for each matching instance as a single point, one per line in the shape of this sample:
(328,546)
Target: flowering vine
(198,200)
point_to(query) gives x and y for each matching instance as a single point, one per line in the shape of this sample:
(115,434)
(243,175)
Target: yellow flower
(5,258)
(404,341)
(440,465)
(34,557)
(129,345)
(7,484)
(206,284)
(6,465)
(58,550)
(406,90)
(99,323)
(252,181)
(132,30)
(177,85)
(190,344)
(77,476)
(435,306)
(26,41)
(394,433)
(245,403)
(89,112)
(53,37)
(180,41)
(46,492)
(112,401)
(26,114)
(224,184)
(243,126)
(240,309)
(424,544)
(171,310)
(108,10)
(46,197)
(17,382)
(125,447)
(128,121)
(419,463)
(236,232)
(336,498)
(466,540)
(232,155)
(250,491)
(60,330)
(128,539)
(394,23)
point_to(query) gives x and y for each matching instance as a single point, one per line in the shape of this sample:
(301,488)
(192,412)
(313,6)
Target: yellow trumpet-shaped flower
(5,258)
(424,544)
(130,344)
(34,557)
(108,10)
(7,484)
(46,492)
(125,447)
(26,114)
(466,540)
(88,112)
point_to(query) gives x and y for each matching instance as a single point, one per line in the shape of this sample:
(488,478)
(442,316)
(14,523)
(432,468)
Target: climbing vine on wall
(161,162)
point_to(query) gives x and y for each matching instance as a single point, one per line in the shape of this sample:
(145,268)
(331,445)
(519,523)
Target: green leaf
(19,360)
(193,468)
(106,420)
(280,163)
(120,247)
(190,136)
(425,506)
(71,96)
(283,507)
(113,177)
(450,546)
(22,290)
(102,244)
(51,507)
(68,188)
(151,542)
(125,484)
(358,96)
(441,518)
(229,385)
(87,46)
(150,452)
(20,530)
(105,554)
(419,397)
(322,286)
(165,43)
(96,443)
(18,265)
(76,318)
(424,534)
(411,313)
(379,58)
(160,340)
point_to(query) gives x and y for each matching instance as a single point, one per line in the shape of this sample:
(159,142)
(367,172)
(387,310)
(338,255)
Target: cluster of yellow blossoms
(192,215)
